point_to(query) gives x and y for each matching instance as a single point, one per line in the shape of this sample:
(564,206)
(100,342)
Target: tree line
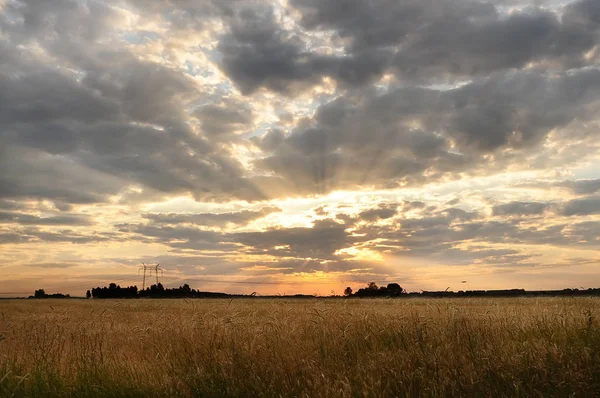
(370,290)
(41,293)
(155,291)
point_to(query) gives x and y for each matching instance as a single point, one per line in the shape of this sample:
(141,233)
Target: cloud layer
(283,142)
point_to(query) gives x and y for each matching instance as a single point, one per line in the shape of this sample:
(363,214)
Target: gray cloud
(577,187)
(181,237)
(582,207)
(51,265)
(225,117)
(84,119)
(121,120)
(211,219)
(28,219)
(319,242)
(30,173)
(259,53)
(582,187)
(28,233)
(456,38)
(381,213)
(520,209)
(517,110)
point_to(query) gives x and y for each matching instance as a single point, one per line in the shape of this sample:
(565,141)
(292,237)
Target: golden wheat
(312,348)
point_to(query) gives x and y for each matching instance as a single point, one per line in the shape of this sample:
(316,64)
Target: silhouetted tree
(372,290)
(88,294)
(348,291)
(40,293)
(394,289)
(186,289)
(114,291)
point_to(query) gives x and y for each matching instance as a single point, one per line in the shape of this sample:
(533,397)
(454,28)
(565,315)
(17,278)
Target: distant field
(314,348)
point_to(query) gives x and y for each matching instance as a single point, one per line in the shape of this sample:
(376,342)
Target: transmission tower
(149,269)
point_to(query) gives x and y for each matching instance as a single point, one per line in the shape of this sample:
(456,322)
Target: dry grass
(324,348)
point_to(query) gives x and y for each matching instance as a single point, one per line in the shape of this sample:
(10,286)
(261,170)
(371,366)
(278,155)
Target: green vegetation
(316,348)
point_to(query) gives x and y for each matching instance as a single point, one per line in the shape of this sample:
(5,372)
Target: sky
(299,146)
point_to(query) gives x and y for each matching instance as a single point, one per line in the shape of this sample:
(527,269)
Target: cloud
(381,131)
(458,128)
(259,53)
(33,234)
(182,237)
(381,213)
(211,219)
(447,39)
(124,121)
(51,265)
(129,121)
(27,219)
(582,207)
(319,242)
(226,117)
(582,187)
(577,187)
(520,209)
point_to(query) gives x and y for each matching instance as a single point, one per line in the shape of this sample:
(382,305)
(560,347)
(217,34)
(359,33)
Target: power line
(145,268)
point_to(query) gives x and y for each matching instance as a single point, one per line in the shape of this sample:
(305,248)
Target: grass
(304,348)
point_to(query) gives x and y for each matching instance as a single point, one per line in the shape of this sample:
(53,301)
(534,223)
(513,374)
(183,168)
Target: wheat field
(300,348)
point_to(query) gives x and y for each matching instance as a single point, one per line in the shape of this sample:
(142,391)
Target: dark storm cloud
(520,209)
(211,219)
